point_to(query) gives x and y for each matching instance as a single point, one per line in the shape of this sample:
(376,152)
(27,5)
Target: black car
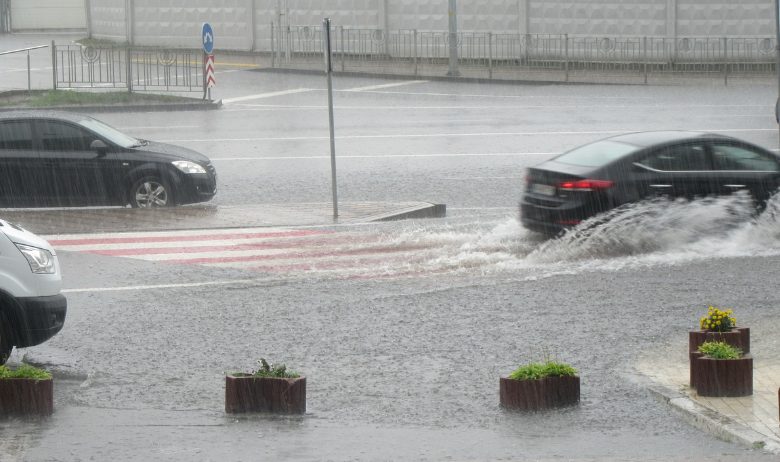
(50,158)
(563,191)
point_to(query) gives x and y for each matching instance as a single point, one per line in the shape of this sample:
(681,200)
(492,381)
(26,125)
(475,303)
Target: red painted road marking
(203,237)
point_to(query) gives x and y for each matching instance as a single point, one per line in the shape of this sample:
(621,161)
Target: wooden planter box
(724,377)
(694,355)
(26,397)
(738,337)
(535,395)
(246,393)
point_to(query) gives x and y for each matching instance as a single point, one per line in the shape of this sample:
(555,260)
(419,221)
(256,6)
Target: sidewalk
(209,216)
(752,420)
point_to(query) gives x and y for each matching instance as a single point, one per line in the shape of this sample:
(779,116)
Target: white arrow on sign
(208,38)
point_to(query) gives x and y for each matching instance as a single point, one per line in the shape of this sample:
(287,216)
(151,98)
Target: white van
(32,309)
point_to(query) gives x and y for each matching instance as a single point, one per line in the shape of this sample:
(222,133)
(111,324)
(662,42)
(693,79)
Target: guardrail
(140,69)
(407,50)
(27,50)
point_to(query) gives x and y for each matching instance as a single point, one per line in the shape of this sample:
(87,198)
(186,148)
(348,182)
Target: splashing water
(652,232)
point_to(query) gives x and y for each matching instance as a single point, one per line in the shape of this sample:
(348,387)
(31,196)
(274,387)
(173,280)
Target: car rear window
(596,154)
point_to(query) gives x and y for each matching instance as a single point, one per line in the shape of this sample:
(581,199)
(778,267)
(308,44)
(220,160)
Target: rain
(402,328)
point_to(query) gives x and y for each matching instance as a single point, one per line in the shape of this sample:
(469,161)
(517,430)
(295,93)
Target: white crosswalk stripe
(275,250)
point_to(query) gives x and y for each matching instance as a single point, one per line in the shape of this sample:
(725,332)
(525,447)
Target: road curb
(427,211)
(714,423)
(208,106)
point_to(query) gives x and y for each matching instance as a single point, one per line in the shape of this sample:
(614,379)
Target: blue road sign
(208,38)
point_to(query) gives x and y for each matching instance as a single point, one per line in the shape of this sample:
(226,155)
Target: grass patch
(535,371)
(55,98)
(24,371)
(720,350)
(274,370)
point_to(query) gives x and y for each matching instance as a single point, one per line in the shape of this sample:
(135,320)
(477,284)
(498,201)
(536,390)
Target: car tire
(151,192)
(6,345)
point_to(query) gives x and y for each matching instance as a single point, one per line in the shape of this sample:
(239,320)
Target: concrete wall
(246,24)
(48,14)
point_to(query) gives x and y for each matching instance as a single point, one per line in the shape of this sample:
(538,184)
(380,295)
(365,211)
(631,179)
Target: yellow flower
(717,323)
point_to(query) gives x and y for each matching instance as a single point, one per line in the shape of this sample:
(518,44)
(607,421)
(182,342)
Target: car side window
(730,157)
(16,134)
(58,136)
(678,158)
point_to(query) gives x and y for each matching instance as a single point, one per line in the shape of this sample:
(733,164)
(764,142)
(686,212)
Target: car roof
(42,114)
(644,139)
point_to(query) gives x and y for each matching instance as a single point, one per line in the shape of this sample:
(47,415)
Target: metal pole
(566,55)
(414,49)
(777,65)
(725,61)
(644,52)
(343,48)
(273,51)
(129,64)
(453,14)
(53,65)
(328,73)
(29,86)
(490,55)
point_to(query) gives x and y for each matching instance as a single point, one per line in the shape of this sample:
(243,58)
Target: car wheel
(5,340)
(151,191)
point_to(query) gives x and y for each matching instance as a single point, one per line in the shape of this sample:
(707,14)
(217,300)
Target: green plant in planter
(24,371)
(718,320)
(274,370)
(535,371)
(720,350)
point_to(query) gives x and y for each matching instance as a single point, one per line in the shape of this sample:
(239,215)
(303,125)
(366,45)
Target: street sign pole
(207,42)
(328,72)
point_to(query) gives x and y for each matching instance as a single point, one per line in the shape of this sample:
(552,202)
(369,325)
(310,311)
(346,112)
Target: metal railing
(139,69)
(407,51)
(25,50)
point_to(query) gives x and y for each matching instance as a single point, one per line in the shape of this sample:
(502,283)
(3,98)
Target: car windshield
(110,133)
(596,154)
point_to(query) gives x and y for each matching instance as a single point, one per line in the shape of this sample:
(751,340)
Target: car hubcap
(151,194)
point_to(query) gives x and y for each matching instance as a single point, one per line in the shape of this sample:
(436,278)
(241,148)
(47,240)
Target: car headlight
(41,260)
(188,167)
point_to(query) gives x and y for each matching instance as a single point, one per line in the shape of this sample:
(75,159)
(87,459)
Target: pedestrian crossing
(272,250)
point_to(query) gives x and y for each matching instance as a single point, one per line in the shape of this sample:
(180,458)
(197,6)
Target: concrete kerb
(714,423)
(207,106)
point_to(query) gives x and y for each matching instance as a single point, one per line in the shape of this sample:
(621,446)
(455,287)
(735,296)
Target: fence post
(490,55)
(273,50)
(29,85)
(725,61)
(644,52)
(414,50)
(343,48)
(53,65)
(129,65)
(566,54)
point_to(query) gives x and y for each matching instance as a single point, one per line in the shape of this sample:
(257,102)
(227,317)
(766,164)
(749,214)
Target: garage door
(48,14)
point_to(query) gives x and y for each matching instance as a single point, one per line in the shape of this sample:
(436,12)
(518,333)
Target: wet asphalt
(397,368)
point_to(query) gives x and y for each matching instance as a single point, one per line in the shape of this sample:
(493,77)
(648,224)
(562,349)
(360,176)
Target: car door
(743,167)
(75,171)
(678,170)
(21,172)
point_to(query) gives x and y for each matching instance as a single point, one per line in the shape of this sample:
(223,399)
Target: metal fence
(137,69)
(411,51)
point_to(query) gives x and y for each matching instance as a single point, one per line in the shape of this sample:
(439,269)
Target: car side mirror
(99,146)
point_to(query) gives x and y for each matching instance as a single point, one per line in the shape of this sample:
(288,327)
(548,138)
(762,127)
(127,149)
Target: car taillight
(585,185)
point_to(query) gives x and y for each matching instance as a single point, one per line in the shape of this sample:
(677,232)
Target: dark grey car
(50,158)
(597,177)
